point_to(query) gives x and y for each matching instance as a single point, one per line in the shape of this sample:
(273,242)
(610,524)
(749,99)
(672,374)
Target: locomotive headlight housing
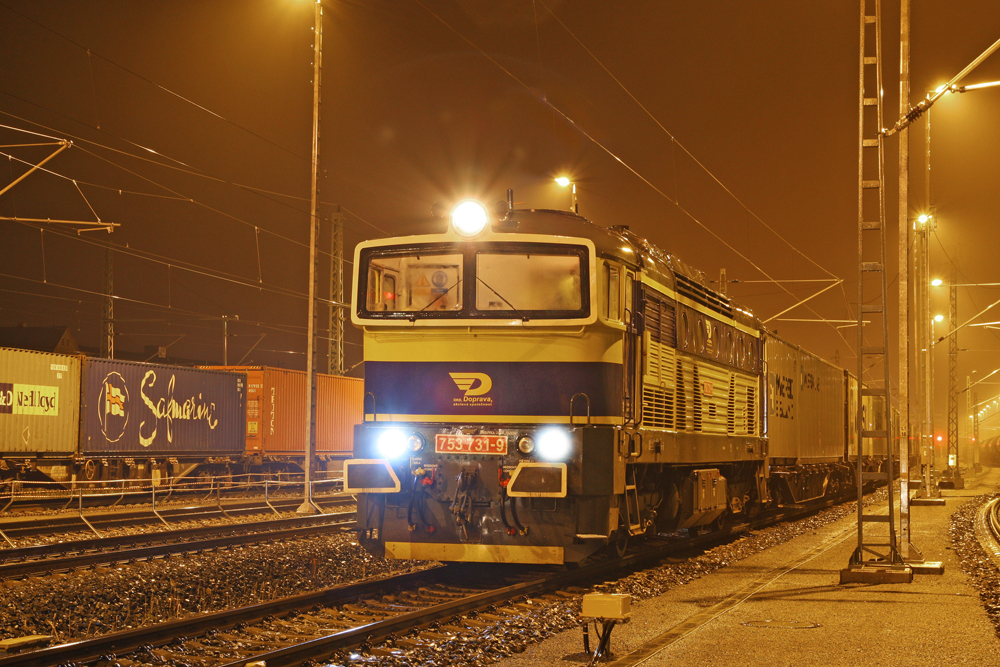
(526,445)
(392,444)
(553,444)
(415,443)
(469,218)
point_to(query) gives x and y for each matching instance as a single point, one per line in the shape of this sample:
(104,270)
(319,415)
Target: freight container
(138,411)
(276,412)
(805,406)
(851,427)
(339,406)
(781,363)
(821,410)
(39,404)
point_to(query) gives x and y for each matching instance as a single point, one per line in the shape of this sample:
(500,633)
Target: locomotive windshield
(525,281)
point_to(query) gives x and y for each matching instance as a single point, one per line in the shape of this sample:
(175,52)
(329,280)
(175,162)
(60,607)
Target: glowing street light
(564,181)
(939,318)
(937,282)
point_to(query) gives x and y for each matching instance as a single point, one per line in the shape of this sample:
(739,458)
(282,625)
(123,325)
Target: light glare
(469,218)
(563,181)
(553,444)
(392,444)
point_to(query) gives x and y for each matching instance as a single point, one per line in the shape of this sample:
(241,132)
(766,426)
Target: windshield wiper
(524,317)
(438,298)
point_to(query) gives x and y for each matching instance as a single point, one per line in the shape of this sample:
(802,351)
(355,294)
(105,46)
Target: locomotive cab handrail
(572,402)
(364,414)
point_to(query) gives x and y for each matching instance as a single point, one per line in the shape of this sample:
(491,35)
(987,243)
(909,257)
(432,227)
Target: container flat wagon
(152,420)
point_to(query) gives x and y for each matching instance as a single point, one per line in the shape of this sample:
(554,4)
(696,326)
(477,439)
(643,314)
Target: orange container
(276,411)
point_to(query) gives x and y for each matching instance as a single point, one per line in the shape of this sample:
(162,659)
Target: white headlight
(553,444)
(391,444)
(469,218)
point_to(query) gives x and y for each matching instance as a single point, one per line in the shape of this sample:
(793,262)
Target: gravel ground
(82,604)
(512,636)
(976,564)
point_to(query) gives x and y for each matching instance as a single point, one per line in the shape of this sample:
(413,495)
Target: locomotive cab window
(612,281)
(522,282)
(414,282)
(527,281)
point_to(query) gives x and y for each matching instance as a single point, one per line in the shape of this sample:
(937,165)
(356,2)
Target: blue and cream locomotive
(538,387)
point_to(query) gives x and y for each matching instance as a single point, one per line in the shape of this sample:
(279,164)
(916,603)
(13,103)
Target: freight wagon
(151,420)
(68,418)
(811,426)
(275,417)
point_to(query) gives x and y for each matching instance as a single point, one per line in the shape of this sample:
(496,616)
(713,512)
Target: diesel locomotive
(539,387)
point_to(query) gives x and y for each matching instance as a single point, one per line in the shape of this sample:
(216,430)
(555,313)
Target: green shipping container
(39,403)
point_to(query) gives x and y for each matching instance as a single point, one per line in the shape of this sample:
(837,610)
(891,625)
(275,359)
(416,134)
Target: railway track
(291,630)
(108,551)
(16,529)
(987,527)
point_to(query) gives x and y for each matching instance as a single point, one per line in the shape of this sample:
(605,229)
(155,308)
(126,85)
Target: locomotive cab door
(632,350)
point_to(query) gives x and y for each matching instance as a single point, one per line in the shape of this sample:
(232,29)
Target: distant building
(41,339)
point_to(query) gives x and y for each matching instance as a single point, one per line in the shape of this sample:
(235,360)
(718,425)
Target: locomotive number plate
(470,444)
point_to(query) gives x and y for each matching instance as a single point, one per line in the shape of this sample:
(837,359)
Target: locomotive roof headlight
(469,218)
(391,444)
(553,444)
(526,444)
(415,443)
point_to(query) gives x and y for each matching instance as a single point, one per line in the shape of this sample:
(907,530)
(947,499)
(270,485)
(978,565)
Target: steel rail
(148,539)
(50,525)
(25,568)
(160,634)
(324,646)
(987,529)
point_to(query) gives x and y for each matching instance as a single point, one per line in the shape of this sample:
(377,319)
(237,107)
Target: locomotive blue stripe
(493,388)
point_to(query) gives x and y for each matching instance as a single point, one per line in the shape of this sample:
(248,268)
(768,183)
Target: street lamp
(564,181)
(307,506)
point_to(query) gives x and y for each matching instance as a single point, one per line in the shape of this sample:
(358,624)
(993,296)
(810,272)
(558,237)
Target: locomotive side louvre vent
(658,408)
(711,388)
(660,319)
(681,398)
(706,297)
(658,388)
(751,411)
(696,396)
(731,406)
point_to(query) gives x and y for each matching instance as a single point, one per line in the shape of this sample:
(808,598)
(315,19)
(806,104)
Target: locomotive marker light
(469,218)
(526,445)
(553,444)
(416,443)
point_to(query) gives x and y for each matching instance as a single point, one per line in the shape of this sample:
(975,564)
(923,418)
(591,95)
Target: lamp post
(564,181)
(307,506)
